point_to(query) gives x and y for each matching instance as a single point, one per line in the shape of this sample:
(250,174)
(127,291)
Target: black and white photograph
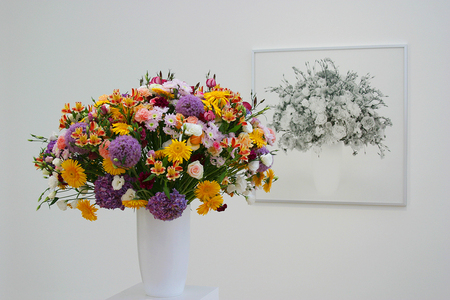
(340,120)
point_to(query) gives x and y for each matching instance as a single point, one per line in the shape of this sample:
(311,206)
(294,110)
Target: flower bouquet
(325,108)
(160,146)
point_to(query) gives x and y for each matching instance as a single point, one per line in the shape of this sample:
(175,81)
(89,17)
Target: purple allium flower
(167,209)
(125,151)
(106,196)
(70,141)
(161,102)
(146,184)
(190,105)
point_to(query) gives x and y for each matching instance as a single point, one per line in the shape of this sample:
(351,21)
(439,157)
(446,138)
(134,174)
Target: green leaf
(166,190)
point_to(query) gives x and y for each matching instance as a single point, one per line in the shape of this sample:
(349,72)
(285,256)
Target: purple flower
(50,146)
(125,151)
(70,141)
(106,196)
(259,152)
(167,209)
(190,105)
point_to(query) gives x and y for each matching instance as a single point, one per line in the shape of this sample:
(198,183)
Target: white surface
(163,248)
(136,292)
(54,52)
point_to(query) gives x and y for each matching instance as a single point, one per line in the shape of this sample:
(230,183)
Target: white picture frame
(365,178)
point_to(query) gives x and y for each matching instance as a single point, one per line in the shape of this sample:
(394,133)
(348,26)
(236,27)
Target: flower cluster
(160,147)
(324,107)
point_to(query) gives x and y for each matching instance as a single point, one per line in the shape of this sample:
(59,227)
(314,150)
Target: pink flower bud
(157,80)
(210,82)
(247,106)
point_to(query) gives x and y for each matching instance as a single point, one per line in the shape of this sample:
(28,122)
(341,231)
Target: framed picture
(340,118)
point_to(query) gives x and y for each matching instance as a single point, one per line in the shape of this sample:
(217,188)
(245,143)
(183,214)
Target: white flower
(253,165)
(62,205)
(321,119)
(52,195)
(118,182)
(305,91)
(339,131)
(305,103)
(368,122)
(53,137)
(231,188)
(250,196)
(319,131)
(267,159)
(57,162)
(74,204)
(192,129)
(45,172)
(166,143)
(53,181)
(241,184)
(248,128)
(130,194)
(353,108)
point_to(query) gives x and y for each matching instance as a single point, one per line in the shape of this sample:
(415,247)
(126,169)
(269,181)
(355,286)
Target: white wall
(53,52)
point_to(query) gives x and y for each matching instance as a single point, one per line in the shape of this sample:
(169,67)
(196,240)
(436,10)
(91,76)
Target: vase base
(191,292)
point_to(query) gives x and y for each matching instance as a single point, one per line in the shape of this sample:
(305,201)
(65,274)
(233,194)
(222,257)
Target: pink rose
(209,115)
(211,82)
(195,169)
(144,91)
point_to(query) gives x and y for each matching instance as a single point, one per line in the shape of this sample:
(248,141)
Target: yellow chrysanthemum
(211,204)
(163,93)
(87,210)
(207,189)
(121,128)
(135,203)
(257,137)
(216,100)
(258,178)
(73,173)
(159,154)
(111,168)
(177,151)
(269,179)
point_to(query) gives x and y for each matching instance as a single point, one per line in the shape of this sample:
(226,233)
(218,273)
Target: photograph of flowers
(340,118)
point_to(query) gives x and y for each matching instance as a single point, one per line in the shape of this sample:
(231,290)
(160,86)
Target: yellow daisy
(177,151)
(207,189)
(216,100)
(121,128)
(214,203)
(87,210)
(112,169)
(163,93)
(73,173)
(269,179)
(135,203)
(257,137)
(258,179)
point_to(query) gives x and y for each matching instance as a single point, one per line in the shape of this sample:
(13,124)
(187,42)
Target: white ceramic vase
(163,249)
(326,168)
